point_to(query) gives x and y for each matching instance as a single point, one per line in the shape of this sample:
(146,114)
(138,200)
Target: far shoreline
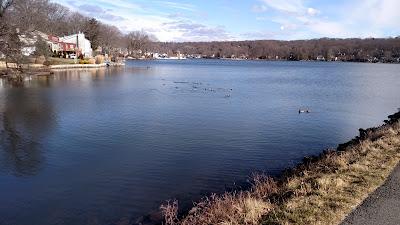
(259,60)
(43,70)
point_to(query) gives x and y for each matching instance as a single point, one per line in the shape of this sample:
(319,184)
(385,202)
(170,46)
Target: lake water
(109,145)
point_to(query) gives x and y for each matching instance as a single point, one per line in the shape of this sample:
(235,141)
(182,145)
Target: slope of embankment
(322,190)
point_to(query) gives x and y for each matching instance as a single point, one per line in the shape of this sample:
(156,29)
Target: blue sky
(215,20)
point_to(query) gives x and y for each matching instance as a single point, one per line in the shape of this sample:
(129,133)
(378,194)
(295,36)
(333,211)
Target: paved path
(380,208)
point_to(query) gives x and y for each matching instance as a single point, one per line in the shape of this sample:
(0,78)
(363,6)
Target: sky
(219,20)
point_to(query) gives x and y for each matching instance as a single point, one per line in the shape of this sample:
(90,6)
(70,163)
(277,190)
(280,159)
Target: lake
(109,145)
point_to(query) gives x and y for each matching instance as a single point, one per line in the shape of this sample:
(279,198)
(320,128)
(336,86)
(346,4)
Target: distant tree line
(359,50)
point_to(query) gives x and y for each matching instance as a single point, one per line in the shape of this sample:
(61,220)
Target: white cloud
(372,18)
(290,6)
(377,13)
(120,4)
(328,29)
(313,12)
(358,18)
(295,7)
(175,5)
(172,21)
(188,30)
(259,8)
(286,23)
(165,26)
(261,18)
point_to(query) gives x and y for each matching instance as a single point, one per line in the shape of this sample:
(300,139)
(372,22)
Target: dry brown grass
(228,209)
(170,212)
(325,191)
(322,190)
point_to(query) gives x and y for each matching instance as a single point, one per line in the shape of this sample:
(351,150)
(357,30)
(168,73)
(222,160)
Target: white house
(54,44)
(320,58)
(82,44)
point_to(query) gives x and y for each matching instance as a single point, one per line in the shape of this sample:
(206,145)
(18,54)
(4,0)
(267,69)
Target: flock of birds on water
(198,87)
(195,87)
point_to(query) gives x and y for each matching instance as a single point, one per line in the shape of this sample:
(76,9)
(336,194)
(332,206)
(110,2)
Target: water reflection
(87,75)
(81,74)
(114,143)
(26,117)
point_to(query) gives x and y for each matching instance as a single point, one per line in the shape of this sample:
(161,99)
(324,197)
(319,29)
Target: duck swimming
(304,111)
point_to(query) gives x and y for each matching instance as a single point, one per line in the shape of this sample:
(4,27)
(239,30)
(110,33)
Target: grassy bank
(321,190)
(61,61)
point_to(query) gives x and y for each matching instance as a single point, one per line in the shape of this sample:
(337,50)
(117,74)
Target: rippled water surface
(105,146)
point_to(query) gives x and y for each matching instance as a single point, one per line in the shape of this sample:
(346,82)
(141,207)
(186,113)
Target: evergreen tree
(92,32)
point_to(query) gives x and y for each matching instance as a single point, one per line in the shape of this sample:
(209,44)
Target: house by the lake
(321,58)
(62,47)
(83,45)
(58,46)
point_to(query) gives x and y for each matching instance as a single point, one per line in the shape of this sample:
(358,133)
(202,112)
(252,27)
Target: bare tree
(110,38)
(7,31)
(30,15)
(57,19)
(75,23)
(138,41)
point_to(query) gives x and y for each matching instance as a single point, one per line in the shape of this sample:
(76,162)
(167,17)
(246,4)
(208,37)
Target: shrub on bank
(84,61)
(87,61)
(240,208)
(31,60)
(58,61)
(92,61)
(40,60)
(99,59)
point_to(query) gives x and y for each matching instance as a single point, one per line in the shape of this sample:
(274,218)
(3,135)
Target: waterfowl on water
(304,111)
